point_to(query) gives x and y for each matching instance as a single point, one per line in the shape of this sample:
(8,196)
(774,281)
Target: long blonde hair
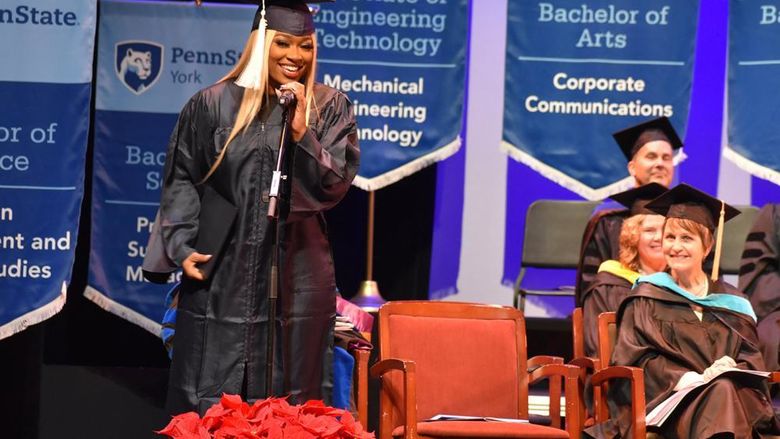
(253,99)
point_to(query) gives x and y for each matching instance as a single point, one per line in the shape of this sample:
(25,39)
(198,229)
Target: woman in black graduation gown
(683,328)
(226,142)
(640,253)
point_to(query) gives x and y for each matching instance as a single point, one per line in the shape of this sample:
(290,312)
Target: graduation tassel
(250,77)
(718,242)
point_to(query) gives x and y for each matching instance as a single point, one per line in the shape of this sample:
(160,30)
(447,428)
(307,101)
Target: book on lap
(667,407)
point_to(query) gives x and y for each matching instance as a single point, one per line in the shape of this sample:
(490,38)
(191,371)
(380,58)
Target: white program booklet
(444,417)
(662,411)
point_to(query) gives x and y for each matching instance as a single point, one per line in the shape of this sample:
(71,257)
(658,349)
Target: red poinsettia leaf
(233,402)
(260,413)
(322,425)
(298,432)
(285,409)
(238,422)
(185,425)
(214,416)
(272,430)
(319,408)
(348,421)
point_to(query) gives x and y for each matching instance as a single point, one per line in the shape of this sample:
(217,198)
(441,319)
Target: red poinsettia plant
(233,418)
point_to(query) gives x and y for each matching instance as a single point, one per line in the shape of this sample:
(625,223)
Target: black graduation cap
(685,201)
(637,198)
(289,16)
(633,138)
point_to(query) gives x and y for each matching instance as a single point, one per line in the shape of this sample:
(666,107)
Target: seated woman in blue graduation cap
(686,329)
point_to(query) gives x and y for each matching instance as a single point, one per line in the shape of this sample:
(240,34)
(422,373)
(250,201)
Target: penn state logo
(138,64)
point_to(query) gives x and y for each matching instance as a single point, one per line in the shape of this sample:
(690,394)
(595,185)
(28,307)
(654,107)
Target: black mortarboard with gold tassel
(685,201)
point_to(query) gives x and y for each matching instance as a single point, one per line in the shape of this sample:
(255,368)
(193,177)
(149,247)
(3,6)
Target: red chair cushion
(479,429)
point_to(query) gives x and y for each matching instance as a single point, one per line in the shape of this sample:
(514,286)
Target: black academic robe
(759,278)
(600,242)
(222,323)
(604,295)
(659,332)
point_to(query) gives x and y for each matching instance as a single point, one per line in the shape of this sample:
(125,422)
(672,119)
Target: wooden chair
(588,366)
(463,359)
(607,323)
(360,383)
(577,333)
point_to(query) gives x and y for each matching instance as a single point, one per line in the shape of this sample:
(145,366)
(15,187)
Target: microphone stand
(273,219)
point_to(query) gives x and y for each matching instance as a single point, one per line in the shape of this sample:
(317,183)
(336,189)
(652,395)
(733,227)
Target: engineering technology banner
(43,142)
(753,87)
(403,66)
(575,73)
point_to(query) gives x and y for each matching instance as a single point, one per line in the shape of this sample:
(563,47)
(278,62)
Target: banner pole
(368,297)
(370,237)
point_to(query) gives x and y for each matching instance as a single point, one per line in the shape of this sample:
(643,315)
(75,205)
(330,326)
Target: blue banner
(152,57)
(45,86)
(753,86)
(577,72)
(403,65)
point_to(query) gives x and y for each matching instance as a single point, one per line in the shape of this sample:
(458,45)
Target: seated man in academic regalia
(649,148)
(759,278)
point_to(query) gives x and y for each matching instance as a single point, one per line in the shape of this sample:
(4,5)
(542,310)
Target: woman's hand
(298,116)
(720,365)
(190,265)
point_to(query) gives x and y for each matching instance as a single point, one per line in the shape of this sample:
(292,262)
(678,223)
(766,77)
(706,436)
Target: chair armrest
(534,363)
(382,367)
(361,391)
(541,360)
(408,368)
(571,375)
(636,376)
(611,372)
(588,366)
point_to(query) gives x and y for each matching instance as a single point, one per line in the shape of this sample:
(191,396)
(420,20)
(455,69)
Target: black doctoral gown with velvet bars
(759,278)
(221,324)
(659,332)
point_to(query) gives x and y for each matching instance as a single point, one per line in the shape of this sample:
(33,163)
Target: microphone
(286,98)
